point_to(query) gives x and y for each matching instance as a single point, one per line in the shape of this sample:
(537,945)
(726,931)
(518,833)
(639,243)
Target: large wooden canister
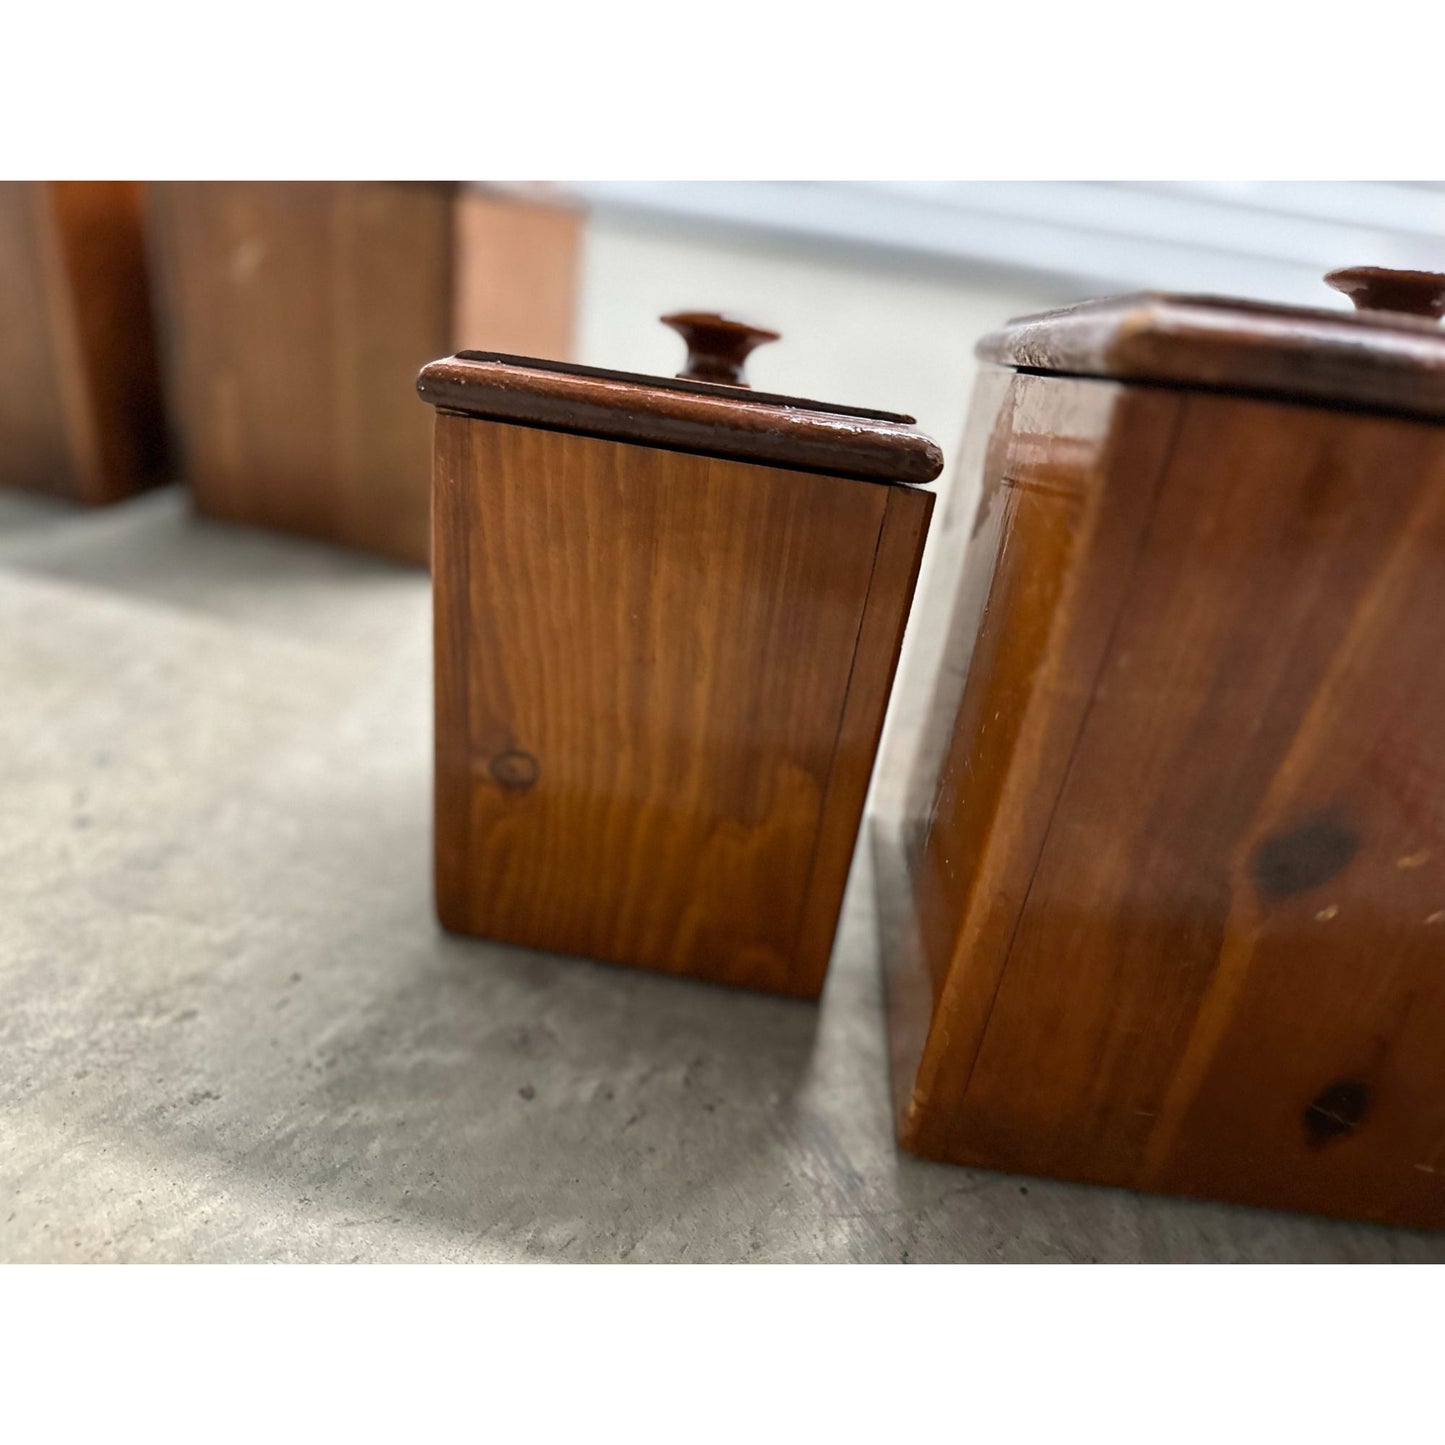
(1167,904)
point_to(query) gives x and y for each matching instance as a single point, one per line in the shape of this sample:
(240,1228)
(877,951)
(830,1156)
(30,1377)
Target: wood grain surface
(296,315)
(80,403)
(660,682)
(1178,908)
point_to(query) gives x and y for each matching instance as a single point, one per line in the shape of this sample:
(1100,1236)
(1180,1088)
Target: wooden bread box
(295,318)
(1167,904)
(80,399)
(668,613)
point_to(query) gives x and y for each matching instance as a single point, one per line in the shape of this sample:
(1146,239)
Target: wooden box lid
(707,408)
(1388,354)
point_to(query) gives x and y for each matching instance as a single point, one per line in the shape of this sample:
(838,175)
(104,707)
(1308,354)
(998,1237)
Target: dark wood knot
(717,346)
(1337,1112)
(1303,858)
(514,769)
(1377,288)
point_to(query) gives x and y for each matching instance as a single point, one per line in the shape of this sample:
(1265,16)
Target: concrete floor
(232,1031)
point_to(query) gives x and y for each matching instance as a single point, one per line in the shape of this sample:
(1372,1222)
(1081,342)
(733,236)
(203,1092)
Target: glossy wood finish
(1380,288)
(723,421)
(717,346)
(80,405)
(660,680)
(297,315)
(1361,359)
(1169,911)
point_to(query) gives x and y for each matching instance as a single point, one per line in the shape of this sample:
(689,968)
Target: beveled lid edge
(1366,359)
(726,425)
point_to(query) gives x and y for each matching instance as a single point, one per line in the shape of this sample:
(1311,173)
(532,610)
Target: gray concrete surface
(231,1030)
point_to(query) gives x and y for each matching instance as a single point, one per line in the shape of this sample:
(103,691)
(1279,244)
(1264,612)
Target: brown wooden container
(80,403)
(1168,905)
(296,316)
(667,618)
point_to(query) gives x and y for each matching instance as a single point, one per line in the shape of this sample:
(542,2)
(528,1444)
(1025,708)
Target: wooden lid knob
(1376,288)
(717,346)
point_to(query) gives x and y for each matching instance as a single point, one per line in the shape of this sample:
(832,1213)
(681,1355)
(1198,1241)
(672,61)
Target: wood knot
(514,769)
(1303,858)
(1336,1113)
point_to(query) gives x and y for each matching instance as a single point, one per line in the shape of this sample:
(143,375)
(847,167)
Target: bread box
(1167,905)
(668,612)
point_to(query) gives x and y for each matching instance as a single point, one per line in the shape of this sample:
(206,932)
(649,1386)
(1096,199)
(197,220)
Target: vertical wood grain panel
(643,673)
(1266,534)
(297,316)
(1225,974)
(880,639)
(115,391)
(80,406)
(1064,512)
(37,452)
(1312,1069)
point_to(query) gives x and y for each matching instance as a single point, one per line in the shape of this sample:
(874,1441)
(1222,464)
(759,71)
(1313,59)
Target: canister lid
(707,407)
(1388,354)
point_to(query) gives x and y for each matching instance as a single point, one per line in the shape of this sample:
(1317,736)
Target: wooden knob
(1376,288)
(717,346)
